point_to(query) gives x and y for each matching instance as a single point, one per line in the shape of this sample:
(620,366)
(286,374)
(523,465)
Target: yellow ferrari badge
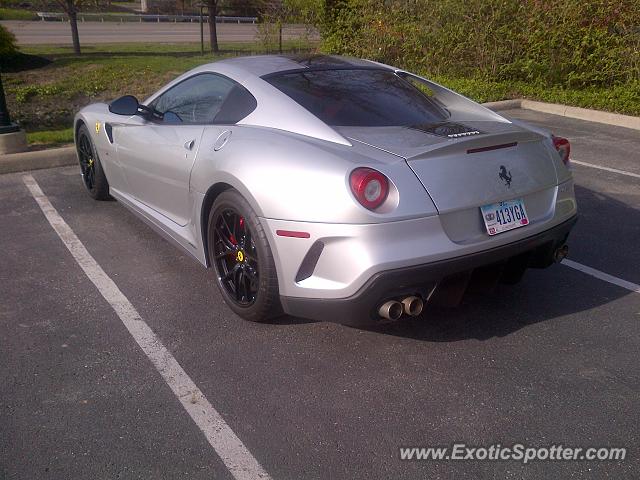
(240,256)
(97,127)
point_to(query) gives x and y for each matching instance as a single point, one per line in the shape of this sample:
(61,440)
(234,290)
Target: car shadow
(542,295)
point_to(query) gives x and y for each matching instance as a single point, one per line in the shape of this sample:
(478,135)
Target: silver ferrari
(332,188)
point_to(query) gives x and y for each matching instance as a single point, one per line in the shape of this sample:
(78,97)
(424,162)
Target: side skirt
(179,236)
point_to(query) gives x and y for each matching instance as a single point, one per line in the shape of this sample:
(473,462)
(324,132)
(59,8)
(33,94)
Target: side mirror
(127,105)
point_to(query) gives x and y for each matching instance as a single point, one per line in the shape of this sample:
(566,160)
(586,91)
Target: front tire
(93,177)
(240,254)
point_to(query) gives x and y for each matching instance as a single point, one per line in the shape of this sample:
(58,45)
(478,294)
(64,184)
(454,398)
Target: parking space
(79,399)
(552,360)
(608,232)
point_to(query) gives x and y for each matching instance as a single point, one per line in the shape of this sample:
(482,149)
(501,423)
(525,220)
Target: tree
(71,8)
(8,47)
(212,5)
(277,13)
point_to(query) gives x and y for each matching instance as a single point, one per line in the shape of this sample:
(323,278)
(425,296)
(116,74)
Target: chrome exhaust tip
(561,253)
(413,306)
(391,310)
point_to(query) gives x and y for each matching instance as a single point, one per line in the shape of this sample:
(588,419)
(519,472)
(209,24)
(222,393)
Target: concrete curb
(55,157)
(503,104)
(598,116)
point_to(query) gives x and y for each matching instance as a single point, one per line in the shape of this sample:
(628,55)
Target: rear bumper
(534,251)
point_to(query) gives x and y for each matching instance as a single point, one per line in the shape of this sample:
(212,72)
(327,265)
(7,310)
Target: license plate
(503,216)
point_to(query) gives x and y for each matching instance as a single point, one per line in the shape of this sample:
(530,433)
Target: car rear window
(359,97)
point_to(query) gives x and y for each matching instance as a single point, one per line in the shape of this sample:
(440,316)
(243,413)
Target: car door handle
(222,140)
(189,145)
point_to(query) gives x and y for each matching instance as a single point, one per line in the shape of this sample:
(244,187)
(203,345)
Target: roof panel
(260,65)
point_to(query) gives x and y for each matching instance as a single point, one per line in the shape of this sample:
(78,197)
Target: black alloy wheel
(93,176)
(239,251)
(236,257)
(87,162)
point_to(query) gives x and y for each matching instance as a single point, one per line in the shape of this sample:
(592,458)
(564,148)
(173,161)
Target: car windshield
(359,97)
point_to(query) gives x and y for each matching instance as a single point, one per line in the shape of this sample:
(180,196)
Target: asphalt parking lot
(552,360)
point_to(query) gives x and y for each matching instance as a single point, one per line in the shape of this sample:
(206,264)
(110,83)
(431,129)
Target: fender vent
(310,261)
(447,129)
(109,131)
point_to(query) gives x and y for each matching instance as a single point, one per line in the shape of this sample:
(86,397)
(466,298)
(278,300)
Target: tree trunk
(213,34)
(73,21)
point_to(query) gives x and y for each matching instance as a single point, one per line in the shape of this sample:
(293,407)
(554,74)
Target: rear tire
(240,254)
(93,177)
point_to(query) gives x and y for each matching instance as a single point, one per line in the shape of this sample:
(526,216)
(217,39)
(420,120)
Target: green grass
(16,14)
(51,137)
(157,48)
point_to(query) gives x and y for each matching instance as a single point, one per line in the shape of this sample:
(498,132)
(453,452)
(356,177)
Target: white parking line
(634,287)
(607,169)
(241,464)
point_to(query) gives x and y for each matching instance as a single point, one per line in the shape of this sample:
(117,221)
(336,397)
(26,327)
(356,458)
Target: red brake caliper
(232,238)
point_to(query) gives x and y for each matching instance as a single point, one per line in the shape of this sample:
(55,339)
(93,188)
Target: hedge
(560,43)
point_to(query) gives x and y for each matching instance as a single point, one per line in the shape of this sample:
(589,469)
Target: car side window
(196,100)
(238,104)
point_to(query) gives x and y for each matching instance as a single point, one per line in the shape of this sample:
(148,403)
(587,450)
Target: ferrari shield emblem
(97,127)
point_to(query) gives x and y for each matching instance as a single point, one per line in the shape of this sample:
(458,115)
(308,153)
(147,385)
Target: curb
(503,104)
(598,116)
(55,157)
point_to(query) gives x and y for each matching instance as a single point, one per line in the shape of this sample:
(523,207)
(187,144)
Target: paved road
(59,33)
(551,360)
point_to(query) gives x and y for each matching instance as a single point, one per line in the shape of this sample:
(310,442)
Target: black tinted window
(359,97)
(195,100)
(238,104)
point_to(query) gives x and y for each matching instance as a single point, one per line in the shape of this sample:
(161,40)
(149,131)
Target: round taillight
(563,147)
(369,186)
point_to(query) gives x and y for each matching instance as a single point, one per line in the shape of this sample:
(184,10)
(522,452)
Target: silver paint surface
(294,171)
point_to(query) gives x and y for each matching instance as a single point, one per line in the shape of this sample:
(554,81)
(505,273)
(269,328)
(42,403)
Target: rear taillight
(369,186)
(563,147)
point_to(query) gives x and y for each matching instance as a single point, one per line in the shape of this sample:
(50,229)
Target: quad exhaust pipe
(393,309)
(561,253)
(412,306)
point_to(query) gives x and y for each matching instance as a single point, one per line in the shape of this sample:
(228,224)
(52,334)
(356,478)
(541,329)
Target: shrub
(568,43)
